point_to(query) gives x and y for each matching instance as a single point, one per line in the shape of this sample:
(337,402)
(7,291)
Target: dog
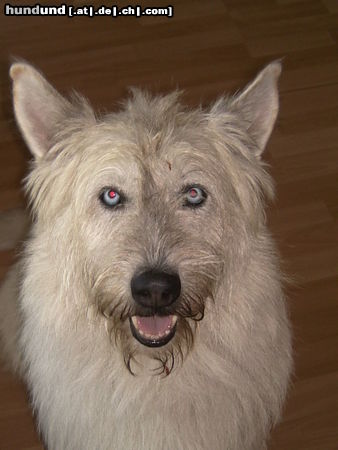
(147,310)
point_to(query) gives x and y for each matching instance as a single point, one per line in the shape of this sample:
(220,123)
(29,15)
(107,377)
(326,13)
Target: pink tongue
(154,325)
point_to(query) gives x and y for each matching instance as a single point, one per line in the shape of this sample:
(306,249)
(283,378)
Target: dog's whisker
(128,364)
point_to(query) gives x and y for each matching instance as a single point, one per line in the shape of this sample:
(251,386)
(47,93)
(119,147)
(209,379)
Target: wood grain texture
(208,48)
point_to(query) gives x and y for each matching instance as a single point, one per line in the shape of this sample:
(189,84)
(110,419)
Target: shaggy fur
(221,381)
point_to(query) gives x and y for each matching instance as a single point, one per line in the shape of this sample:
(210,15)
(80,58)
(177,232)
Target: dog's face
(154,204)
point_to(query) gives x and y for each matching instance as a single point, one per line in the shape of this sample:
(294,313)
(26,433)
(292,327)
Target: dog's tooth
(158,336)
(135,323)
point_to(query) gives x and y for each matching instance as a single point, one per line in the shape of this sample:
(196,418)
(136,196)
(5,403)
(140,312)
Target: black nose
(155,289)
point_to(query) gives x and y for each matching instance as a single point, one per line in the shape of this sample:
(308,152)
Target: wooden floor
(209,47)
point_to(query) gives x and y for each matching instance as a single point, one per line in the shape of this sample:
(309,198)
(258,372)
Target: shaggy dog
(146,311)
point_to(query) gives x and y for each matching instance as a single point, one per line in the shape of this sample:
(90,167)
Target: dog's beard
(199,280)
(189,309)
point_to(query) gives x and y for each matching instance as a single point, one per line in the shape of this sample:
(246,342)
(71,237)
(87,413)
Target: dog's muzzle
(154,291)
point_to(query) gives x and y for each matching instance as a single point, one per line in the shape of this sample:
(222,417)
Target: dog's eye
(195,196)
(110,197)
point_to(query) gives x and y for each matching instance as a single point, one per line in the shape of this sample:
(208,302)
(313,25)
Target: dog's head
(148,211)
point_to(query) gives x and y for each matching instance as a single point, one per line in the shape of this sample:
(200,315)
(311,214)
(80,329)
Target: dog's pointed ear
(258,104)
(38,107)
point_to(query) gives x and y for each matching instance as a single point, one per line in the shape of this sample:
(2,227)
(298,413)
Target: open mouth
(153,331)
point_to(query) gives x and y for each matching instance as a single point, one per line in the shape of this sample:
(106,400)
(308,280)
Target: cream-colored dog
(146,312)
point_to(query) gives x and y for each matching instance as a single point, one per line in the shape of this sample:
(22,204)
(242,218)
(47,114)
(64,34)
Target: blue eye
(195,196)
(110,197)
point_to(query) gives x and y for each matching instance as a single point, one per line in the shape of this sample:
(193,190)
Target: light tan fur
(220,383)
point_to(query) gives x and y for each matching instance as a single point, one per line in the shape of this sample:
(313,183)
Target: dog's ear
(39,108)
(258,104)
